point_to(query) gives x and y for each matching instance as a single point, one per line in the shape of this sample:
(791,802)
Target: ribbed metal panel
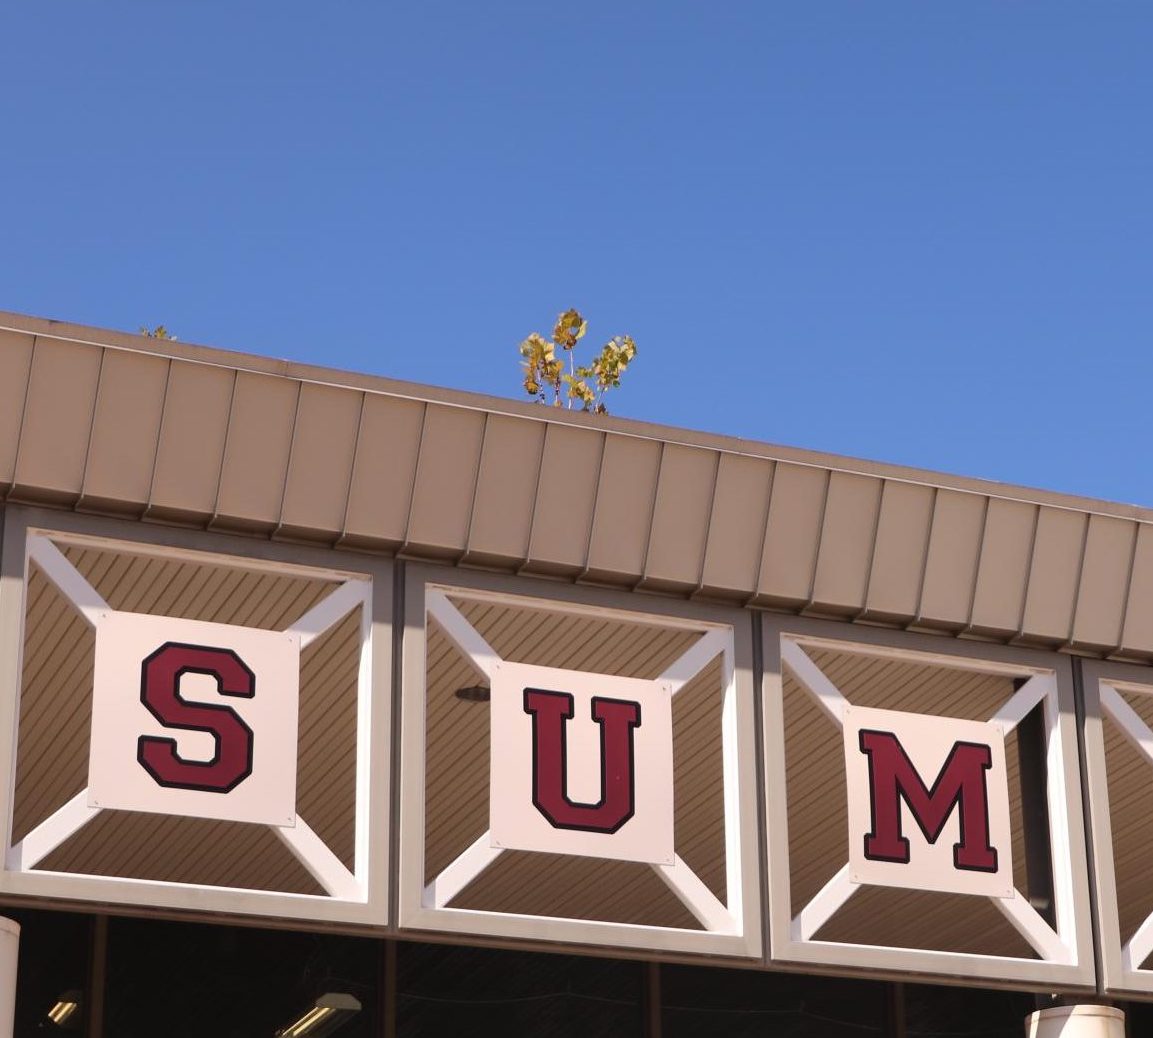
(119,424)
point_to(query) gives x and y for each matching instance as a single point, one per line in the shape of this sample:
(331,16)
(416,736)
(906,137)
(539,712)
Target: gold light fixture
(323,1017)
(65,1009)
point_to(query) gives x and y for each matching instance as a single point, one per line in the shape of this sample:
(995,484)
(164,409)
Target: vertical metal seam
(1128,590)
(756,588)
(342,533)
(884,485)
(475,488)
(407,538)
(977,564)
(652,519)
(91,428)
(1087,817)
(528,550)
(596,504)
(288,462)
(224,449)
(708,526)
(925,553)
(23,416)
(820,539)
(159,437)
(1077,586)
(1029,571)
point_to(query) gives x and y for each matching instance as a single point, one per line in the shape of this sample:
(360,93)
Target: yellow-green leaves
(159,332)
(585,385)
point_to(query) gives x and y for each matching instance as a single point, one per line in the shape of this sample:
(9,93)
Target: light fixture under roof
(474,694)
(323,1017)
(63,1013)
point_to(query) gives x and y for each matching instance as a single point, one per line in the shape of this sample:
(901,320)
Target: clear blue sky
(916,232)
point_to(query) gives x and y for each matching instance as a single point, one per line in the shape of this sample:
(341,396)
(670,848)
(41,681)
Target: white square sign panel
(928,802)
(581,764)
(194,718)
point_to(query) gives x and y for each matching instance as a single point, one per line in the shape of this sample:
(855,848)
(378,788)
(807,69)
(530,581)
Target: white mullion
(829,900)
(469,864)
(693,660)
(1140,945)
(1018,705)
(51,833)
(731,777)
(1060,839)
(324,866)
(67,578)
(1135,730)
(329,610)
(1029,924)
(813,678)
(363,741)
(696,897)
(463,634)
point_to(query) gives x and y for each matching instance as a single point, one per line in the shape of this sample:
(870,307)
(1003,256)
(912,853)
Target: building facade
(330,704)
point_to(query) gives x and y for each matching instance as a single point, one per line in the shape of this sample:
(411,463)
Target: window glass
(52,973)
(444,990)
(938,1012)
(182,980)
(727,1003)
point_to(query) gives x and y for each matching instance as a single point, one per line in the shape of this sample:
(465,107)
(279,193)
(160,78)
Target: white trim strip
(51,833)
(731,774)
(461,872)
(324,866)
(1029,924)
(363,742)
(1140,945)
(67,578)
(329,610)
(695,658)
(1135,730)
(826,903)
(1018,705)
(696,897)
(813,678)
(462,633)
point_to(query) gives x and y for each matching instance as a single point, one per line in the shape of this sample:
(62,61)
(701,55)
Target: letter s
(231,762)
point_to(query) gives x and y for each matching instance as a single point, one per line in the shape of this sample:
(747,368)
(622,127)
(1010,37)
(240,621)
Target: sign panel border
(788,945)
(368,904)
(416,914)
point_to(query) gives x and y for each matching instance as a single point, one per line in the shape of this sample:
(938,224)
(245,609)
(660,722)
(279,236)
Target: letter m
(961,785)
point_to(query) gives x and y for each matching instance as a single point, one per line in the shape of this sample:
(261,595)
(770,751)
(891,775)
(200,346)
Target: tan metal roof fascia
(238,361)
(132,426)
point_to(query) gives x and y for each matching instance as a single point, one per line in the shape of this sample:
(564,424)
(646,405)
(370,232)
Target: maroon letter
(617,719)
(961,782)
(160,674)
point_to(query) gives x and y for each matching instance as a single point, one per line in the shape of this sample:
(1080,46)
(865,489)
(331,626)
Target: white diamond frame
(348,893)
(729,927)
(1103,684)
(1064,953)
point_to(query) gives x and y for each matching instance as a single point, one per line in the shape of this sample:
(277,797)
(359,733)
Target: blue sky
(915,232)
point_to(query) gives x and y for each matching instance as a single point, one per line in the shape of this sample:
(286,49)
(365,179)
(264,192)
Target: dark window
(443,990)
(941,1012)
(52,973)
(724,1003)
(180,980)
